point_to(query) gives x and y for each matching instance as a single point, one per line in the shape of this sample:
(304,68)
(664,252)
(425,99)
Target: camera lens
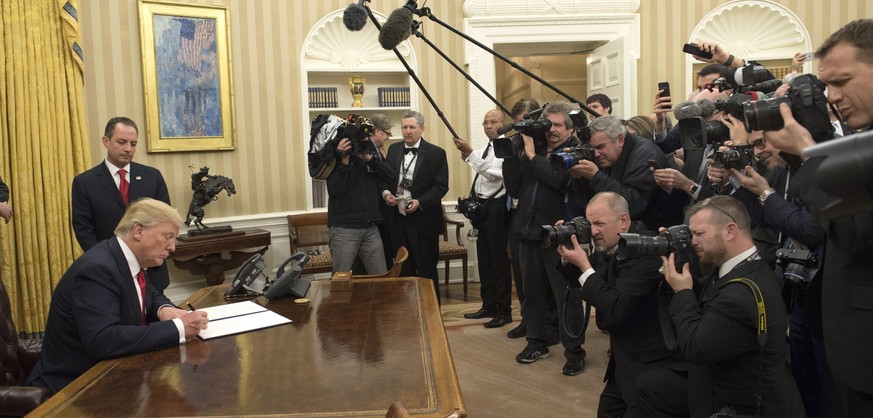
(637,246)
(764,114)
(563,160)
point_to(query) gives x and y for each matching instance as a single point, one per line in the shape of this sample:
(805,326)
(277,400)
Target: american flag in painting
(195,36)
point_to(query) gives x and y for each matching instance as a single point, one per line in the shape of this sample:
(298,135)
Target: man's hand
(739,136)
(463,146)
(343,150)
(793,138)
(717,175)
(5,211)
(668,177)
(390,199)
(169,313)
(677,281)
(584,169)
(412,205)
(529,147)
(719,55)
(751,180)
(194,322)
(576,254)
(662,106)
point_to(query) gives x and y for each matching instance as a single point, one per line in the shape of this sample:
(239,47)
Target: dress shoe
(499,321)
(519,331)
(481,313)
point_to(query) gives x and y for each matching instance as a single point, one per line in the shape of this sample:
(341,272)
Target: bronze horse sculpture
(207,191)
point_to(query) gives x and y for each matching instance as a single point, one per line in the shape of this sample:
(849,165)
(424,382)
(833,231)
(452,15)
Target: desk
(345,354)
(213,255)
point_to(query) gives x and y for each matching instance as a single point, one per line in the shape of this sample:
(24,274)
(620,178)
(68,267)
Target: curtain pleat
(44,145)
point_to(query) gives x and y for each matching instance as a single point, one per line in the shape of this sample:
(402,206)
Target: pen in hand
(190,306)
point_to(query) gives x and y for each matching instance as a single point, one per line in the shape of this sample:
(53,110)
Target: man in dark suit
(732,362)
(104,307)
(422,181)
(625,294)
(98,201)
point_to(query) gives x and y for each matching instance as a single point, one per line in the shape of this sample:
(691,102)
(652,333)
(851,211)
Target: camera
(472,208)
(676,239)
(696,132)
(358,130)
(406,183)
(553,236)
(808,105)
(565,160)
(737,157)
(532,126)
(795,264)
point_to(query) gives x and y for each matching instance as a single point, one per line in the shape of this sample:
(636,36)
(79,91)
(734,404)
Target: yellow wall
(266,36)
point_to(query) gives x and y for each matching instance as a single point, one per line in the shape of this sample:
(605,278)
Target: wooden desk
(345,354)
(213,255)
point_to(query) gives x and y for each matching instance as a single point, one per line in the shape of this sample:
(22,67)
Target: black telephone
(288,279)
(247,274)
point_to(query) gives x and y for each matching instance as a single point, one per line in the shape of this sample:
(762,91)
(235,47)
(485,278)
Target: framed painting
(187,83)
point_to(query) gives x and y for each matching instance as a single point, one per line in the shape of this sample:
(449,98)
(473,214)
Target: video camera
(358,129)
(808,105)
(530,125)
(553,236)
(676,239)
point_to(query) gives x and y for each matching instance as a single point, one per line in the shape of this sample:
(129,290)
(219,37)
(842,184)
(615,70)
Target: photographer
(354,195)
(489,195)
(621,165)
(846,67)
(541,190)
(625,294)
(733,364)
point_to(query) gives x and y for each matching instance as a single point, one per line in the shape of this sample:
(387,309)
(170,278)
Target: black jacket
(430,183)
(4,191)
(354,192)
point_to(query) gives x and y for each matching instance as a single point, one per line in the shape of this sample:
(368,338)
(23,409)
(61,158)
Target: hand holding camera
(573,253)
(584,169)
(676,279)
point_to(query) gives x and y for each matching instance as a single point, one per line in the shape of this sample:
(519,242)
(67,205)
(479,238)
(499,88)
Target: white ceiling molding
(540,8)
(331,46)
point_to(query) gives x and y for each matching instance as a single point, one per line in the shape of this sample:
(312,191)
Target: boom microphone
(707,108)
(396,29)
(355,16)
(686,110)
(505,128)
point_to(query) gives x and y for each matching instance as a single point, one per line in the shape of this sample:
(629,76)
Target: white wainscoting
(183,283)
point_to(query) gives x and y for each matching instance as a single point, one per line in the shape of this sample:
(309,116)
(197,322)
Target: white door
(611,71)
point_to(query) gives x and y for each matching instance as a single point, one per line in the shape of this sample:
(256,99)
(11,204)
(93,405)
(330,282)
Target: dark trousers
(662,393)
(424,251)
(493,261)
(516,260)
(808,361)
(541,277)
(852,402)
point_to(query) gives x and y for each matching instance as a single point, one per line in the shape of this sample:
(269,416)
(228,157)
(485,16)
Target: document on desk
(237,318)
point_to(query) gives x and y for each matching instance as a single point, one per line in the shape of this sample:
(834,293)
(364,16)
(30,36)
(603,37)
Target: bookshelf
(331,54)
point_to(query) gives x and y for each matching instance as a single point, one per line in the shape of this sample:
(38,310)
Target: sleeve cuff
(585,275)
(181,328)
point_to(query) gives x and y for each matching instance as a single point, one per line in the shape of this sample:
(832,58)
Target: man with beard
(625,294)
(733,335)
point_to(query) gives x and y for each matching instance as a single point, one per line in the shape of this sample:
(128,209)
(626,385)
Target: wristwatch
(694,188)
(764,195)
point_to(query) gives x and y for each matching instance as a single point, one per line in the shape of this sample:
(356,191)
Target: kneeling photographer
(618,161)
(625,295)
(733,334)
(354,196)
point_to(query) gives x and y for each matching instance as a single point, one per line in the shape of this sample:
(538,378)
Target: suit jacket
(4,191)
(95,315)
(718,337)
(625,295)
(97,206)
(430,182)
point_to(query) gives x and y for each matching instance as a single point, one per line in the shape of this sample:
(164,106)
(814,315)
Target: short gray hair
(611,125)
(147,212)
(559,108)
(381,122)
(414,114)
(616,202)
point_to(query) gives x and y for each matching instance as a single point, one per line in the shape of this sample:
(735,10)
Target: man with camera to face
(620,165)
(541,190)
(625,294)
(353,208)
(846,68)
(421,180)
(733,334)
(489,196)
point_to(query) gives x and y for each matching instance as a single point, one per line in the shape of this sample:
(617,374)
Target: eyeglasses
(491,122)
(708,201)
(385,132)
(759,143)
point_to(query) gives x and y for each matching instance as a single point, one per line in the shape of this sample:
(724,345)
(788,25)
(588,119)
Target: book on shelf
(393,96)
(323,97)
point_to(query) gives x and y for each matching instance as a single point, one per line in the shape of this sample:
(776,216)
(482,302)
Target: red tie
(123,186)
(140,278)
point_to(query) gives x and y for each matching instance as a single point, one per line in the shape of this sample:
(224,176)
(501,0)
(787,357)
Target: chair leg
(447,279)
(465,277)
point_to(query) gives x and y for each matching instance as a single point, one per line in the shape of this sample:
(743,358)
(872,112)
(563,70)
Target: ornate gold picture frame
(187,83)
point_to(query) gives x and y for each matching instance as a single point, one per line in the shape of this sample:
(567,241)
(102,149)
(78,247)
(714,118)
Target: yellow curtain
(43,146)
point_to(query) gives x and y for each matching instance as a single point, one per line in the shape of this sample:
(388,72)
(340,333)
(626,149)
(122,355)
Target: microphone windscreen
(686,110)
(355,17)
(396,29)
(707,108)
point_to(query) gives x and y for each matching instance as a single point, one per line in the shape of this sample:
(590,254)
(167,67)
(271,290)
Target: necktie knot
(414,151)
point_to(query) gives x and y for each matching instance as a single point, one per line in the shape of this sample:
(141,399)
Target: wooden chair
(399,259)
(306,232)
(453,250)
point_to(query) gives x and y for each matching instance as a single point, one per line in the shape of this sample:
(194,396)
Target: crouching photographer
(733,334)
(625,293)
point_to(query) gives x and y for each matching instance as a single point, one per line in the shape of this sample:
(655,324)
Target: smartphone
(807,57)
(666,87)
(654,165)
(693,49)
